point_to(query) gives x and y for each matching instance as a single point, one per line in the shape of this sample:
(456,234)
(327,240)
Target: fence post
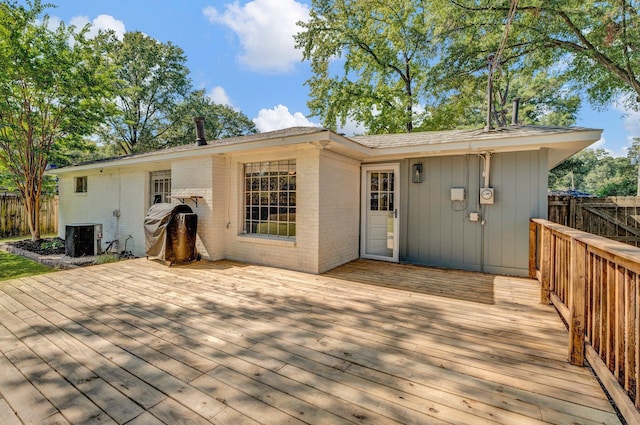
(533,246)
(545,265)
(577,302)
(572,212)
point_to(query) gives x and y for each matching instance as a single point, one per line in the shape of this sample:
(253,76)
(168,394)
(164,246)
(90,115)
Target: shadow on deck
(228,343)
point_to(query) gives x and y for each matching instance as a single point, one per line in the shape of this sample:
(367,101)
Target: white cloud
(599,144)
(279,117)
(632,124)
(265,29)
(101,22)
(53,23)
(352,128)
(220,96)
(631,119)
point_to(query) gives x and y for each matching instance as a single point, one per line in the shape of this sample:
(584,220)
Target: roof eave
(211,149)
(561,146)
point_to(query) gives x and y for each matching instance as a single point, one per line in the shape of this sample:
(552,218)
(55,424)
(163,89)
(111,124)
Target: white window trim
(86,185)
(156,176)
(262,238)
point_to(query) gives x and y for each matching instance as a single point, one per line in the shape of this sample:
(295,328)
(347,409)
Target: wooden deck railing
(594,284)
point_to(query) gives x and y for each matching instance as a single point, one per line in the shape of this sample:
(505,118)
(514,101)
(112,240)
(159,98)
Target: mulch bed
(48,246)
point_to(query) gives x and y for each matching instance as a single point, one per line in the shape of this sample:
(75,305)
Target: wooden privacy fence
(614,217)
(13,216)
(594,284)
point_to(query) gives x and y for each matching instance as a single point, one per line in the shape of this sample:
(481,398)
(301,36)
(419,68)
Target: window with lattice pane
(160,186)
(270,198)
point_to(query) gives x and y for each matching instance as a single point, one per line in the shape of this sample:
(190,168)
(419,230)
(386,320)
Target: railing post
(577,302)
(533,246)
(545,265)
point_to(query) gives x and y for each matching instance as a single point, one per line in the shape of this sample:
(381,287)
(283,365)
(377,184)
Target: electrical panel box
(457,194)
(487,195)
(474,216)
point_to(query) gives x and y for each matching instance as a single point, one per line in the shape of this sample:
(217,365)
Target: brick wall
(339,210)
(108,191)
(327,210)
(299,254)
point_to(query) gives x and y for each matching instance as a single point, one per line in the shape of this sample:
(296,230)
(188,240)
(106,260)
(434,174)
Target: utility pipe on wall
(487,168)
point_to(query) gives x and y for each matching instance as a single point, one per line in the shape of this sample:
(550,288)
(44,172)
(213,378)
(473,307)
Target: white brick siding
(108,191)
(339,210)
(299,254)
(327,216)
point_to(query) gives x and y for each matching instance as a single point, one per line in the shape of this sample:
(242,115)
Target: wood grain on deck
(136,342)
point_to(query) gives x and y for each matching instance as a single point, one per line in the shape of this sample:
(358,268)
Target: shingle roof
(277,134)
(431,140)
(381,141)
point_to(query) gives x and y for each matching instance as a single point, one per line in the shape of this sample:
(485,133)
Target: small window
(160,186)
(81,184)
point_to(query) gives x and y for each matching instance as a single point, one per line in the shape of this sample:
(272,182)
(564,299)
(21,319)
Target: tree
(596,172)
(543,100)
(220,122)
(153,81)
(596,44)
(570,173)
(52,86)
(407,65)
(386,48)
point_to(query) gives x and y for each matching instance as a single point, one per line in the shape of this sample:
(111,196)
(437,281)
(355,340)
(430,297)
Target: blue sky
(242,54)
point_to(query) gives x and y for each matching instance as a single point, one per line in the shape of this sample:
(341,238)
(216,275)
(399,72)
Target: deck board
(229,343)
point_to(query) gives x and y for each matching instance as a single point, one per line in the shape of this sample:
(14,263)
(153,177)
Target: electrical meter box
(457,194)
(487,195)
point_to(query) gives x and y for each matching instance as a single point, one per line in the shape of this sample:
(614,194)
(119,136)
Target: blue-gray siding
(436,231)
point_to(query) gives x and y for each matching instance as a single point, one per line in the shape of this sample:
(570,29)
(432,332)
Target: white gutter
(220,149)
(574,140)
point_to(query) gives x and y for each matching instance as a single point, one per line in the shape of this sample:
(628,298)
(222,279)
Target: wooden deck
(136,342)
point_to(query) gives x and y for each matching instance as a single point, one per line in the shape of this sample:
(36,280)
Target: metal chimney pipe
(200,140)
(515,111)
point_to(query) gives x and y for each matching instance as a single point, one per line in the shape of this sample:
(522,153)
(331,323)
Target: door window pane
(381,191)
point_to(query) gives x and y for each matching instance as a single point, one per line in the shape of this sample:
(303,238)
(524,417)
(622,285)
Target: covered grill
(170,233)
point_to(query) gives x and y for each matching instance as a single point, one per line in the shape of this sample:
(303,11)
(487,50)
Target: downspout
(482,210)
(487,168)
(119,211)
(486,174)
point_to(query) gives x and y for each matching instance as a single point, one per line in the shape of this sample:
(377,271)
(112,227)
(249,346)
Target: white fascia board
(559,142)
(258,145)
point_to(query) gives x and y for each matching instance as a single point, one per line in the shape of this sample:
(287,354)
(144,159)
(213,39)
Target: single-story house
(310,199)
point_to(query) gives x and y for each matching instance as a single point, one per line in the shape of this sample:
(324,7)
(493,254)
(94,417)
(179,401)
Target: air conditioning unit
(82,239)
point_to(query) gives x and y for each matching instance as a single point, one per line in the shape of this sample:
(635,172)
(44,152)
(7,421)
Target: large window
(160,186)
(270,198)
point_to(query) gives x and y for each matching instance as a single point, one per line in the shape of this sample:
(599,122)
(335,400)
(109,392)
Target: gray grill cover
(156,227)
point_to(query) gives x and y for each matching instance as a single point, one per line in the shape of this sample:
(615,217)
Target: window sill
(266,240)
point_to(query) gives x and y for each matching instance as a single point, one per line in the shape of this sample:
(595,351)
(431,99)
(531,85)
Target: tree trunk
(35,232)
(32,203)
(31,196)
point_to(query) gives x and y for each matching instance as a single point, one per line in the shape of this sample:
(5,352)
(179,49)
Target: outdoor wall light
(417,173)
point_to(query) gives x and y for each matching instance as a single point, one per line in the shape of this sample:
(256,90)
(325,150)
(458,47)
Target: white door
(380,203)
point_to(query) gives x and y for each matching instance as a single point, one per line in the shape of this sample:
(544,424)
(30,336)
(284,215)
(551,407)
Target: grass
(13,266)
(107,258)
